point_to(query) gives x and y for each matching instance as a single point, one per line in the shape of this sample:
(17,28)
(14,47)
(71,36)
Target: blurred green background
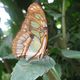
(63,18)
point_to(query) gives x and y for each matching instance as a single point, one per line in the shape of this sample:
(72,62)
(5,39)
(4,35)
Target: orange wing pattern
(31,40)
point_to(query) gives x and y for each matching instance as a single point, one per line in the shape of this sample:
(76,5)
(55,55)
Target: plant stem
(64,25)
(7,66)
(50,75)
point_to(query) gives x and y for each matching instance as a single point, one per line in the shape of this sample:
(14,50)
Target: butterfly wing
(31,40)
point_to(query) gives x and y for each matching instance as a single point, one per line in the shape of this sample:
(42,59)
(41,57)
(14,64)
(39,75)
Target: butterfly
(31,41)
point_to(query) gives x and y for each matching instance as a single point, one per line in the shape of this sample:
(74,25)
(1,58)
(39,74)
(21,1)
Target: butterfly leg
(41,52)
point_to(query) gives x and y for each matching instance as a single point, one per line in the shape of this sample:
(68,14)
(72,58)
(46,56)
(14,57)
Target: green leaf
(56,15)
(5,76)
(25,70)
(53,74)
(58,70)
(56,73)
(5,47)
(71,54)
